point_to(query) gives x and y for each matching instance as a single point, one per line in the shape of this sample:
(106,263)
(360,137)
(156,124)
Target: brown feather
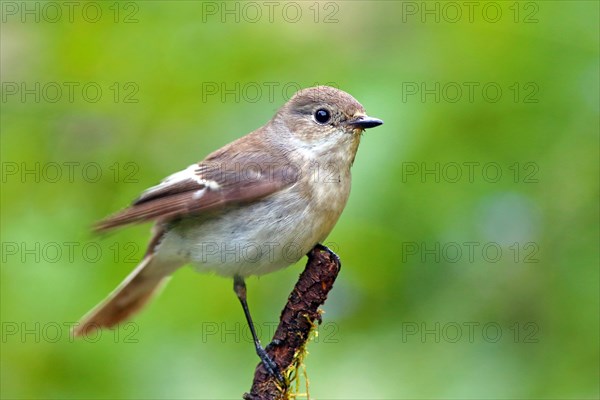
(131,295)
(188,196)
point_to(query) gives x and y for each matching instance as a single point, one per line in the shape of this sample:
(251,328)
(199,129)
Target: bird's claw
(270,365)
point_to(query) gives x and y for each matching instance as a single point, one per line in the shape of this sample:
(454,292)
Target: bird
(254,206)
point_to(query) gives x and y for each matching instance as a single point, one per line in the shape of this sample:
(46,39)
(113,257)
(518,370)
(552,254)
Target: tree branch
(296,321)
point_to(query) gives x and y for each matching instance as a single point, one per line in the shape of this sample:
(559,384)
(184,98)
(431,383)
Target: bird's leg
(239,286)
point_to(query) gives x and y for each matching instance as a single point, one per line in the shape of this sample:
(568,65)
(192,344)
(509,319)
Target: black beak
(365,122)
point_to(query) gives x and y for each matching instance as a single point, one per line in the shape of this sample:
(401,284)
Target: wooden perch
(296,321)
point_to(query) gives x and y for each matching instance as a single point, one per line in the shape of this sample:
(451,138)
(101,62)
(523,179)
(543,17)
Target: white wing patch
(188,173)
(191,173)
(198,194)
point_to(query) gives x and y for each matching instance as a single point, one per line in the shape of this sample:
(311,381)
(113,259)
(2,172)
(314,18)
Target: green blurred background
(415,313)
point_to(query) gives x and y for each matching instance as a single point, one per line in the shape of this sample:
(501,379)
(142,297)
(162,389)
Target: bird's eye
(322,116)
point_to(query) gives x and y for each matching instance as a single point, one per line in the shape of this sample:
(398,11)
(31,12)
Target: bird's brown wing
(202,187)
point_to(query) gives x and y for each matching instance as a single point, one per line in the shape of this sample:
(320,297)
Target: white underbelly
(267,236)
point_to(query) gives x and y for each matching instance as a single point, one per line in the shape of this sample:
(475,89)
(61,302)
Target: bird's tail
(128,298)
